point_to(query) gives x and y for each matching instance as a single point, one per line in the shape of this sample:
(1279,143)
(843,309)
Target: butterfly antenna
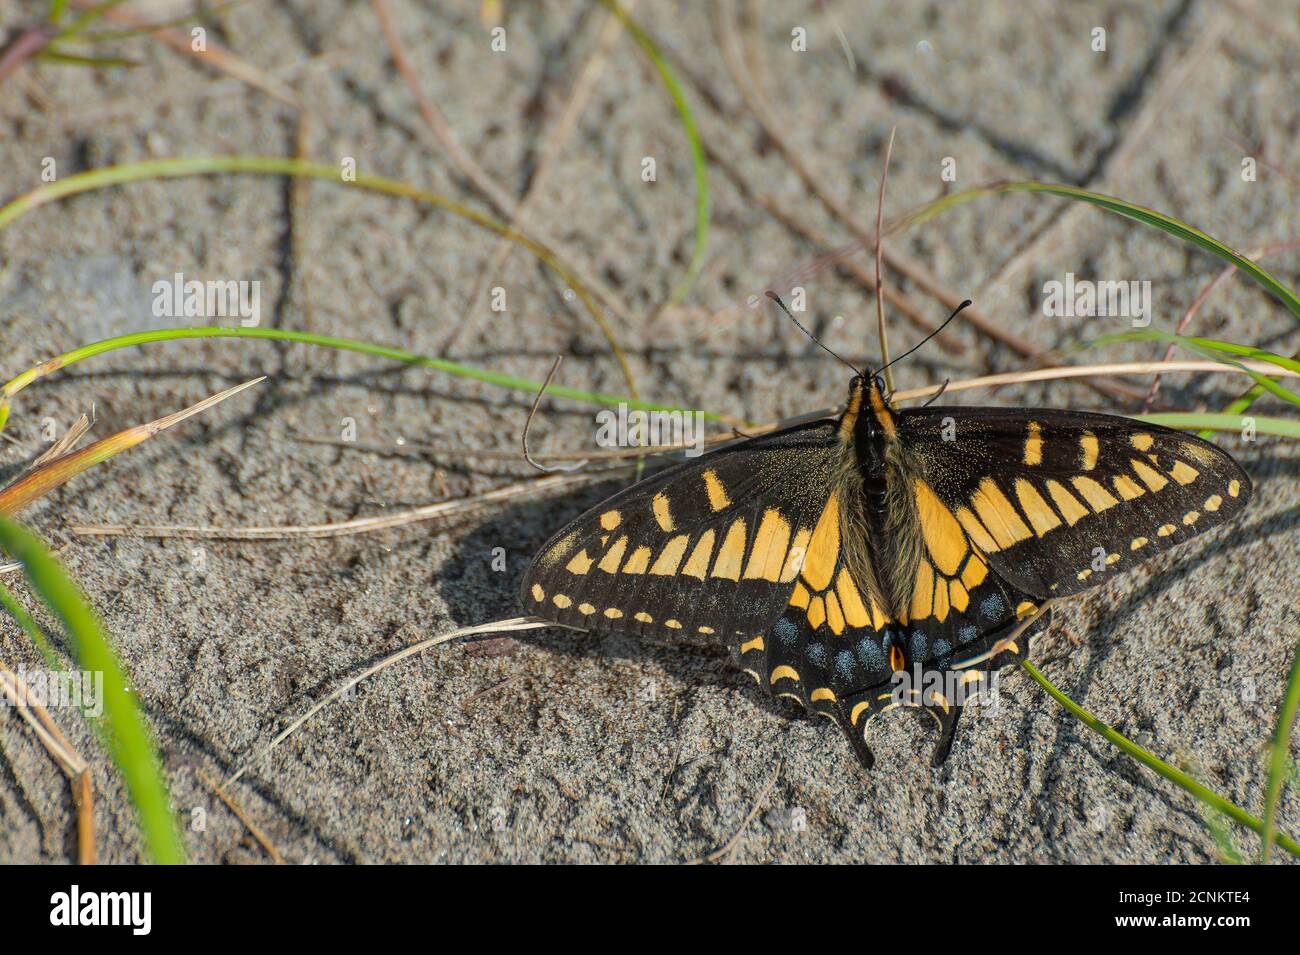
(955,313)
(776,298)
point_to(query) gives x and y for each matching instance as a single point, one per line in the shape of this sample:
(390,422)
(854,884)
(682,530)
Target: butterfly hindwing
(1059,501)
(834,637)
(835,650)
(711,546)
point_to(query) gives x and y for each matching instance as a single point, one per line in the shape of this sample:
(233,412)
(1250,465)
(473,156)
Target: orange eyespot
(896,661)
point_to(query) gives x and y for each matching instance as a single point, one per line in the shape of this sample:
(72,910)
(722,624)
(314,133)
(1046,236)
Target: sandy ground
(558,746)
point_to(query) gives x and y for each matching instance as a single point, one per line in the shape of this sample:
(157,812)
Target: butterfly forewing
(711,546)
(1060,501)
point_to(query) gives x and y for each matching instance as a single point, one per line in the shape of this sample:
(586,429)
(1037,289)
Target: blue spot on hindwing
(993,607)
(816,654)
(968,633)
(870,655)
(942,648)
(845,665)
(786,632)
(918,646)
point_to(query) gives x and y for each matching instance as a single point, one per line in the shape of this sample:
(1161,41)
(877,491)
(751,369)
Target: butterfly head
(869,416)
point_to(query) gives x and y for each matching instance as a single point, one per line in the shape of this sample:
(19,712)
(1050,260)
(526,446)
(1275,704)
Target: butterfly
(838,556)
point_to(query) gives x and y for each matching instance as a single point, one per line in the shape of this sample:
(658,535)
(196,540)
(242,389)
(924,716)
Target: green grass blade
(1223,422)
(31,628)
(129,740)
(86,19)
(1243,402)
(1129,210)
(73,59)
(348,344)
(52,659)
(282,166)
(102,36)
(1277,768)
(1156,764)
(1218,824)
(1204,345)
(1187,420)
(1174,227)
(1263,382)
(1239,405)
(699,161)
(1216,350)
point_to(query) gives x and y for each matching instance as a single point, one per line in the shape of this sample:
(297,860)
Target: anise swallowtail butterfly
(830,555)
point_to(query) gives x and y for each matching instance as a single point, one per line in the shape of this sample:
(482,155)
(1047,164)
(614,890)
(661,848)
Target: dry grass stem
(71,762)
(215,55)
(360,525)
(610,33)
(253,829)
(880,248)
(1223,276)
(532,413)
(725,852)
(500,626)
(484,184)
(56,472)
(1175,80)
(64,444)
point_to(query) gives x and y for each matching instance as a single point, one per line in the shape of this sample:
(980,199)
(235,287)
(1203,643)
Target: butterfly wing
(712,546)
(1059,501)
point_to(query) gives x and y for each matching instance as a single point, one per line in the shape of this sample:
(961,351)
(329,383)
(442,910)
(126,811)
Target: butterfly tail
(856,737)
(859,709)
(942,693)
(947,732)
(855,713)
